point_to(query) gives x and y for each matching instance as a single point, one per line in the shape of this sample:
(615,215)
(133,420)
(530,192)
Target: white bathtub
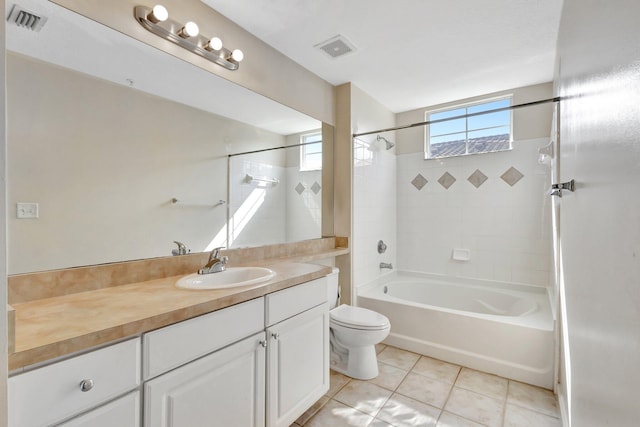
(501,328)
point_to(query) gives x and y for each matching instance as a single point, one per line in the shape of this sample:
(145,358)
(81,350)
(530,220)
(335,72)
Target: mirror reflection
(124,149)
(275,196)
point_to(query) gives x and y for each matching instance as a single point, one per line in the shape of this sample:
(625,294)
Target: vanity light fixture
(157,21)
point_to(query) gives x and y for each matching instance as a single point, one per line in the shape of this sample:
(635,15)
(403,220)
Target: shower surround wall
(492,204)
(504,222)
(374,187)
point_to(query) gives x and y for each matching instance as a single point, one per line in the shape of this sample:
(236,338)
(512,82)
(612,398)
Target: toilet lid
(358,317)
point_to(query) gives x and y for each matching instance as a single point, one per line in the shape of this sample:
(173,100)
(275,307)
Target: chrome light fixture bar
(188,36)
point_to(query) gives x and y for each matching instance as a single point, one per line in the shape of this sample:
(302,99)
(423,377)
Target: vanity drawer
(294,300)
(52,393)
(175,345)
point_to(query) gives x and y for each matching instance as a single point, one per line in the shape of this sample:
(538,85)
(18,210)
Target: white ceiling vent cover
(23,18)
(336,46)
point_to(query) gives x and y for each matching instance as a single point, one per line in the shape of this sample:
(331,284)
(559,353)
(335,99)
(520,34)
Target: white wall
(374,186)
(599,74)
(506,228)
(4,351)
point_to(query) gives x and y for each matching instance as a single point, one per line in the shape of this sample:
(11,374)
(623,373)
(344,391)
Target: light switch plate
(26,210)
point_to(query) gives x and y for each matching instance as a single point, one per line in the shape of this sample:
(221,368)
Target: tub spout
(386,265)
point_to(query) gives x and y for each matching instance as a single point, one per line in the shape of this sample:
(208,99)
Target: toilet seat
(358,318)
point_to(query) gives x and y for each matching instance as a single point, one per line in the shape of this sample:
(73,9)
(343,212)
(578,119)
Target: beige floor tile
(363,396)
(476,407)
(425,389)
(531,397)
(380,347)
(437,369)
(451,420)
(399,358)
(335,414)
(336,382)
(400,411)
(516,416)
(389,377)
(483,383)
(379,423)
(312,411)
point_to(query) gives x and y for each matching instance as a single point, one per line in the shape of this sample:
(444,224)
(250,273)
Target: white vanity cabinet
(297,352)
(61,390)
(219,379)
(225,388)
(263,362)
(298,368)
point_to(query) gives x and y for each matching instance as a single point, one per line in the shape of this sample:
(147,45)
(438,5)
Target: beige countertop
(52,327)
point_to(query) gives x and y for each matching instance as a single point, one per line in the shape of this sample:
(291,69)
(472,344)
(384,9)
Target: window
(484,133)
(311,153)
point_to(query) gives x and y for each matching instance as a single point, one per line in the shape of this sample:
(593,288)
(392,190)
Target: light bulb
(190,29)
(159,13)
(237,55)
(214,44)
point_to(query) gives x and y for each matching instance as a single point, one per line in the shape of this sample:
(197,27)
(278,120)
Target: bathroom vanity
(260,357)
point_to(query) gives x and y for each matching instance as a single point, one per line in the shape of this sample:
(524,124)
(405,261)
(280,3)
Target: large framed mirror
(117,149)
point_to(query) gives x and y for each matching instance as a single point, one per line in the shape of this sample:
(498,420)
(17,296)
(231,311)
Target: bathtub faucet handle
(382,247)
(386,265)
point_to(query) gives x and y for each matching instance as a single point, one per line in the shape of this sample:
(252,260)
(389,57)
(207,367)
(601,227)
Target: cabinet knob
(275,335)
(86,385)
(263,343)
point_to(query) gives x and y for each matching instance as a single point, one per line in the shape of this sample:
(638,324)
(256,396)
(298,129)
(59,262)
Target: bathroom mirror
(275,196)
(117,149)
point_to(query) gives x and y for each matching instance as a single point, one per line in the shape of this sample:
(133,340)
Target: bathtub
(501,328)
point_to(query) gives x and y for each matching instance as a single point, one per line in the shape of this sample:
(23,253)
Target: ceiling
(412,53)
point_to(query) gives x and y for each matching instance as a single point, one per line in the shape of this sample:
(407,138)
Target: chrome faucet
(216,264)
(182,249)
(386,265)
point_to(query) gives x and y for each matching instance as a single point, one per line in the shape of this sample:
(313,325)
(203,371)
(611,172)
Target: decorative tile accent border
(299,188)
(315,187)
(446,180)
(419,181)
(512,176)
(477,178)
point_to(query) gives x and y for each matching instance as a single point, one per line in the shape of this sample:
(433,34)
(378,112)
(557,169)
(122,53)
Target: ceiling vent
(336,46)
(24,18)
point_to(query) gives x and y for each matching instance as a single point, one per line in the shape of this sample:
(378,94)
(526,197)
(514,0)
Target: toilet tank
(333,288)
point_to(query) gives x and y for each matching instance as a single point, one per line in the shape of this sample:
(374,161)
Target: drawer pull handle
(263,343)
(86,385)
(275,335)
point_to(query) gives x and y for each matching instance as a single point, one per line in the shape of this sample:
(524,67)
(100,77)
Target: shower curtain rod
(428,122)
(272,148)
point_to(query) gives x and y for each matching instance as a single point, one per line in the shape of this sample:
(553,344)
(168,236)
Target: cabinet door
(298,365)
(122,412)
(225,388)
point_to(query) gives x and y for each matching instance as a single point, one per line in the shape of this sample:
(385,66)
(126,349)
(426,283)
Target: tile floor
(413,390)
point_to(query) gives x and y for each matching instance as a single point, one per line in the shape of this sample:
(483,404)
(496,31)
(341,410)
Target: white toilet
(354,333)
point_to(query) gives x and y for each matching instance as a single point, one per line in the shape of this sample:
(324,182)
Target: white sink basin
(231,277)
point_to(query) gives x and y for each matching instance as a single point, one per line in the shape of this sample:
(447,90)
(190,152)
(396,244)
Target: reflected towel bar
(175,201)
(249,179)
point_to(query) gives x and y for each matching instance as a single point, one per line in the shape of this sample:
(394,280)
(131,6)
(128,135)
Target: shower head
(388,143)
